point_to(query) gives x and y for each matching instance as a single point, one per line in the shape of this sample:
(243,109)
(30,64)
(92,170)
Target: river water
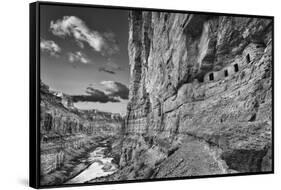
(101,166)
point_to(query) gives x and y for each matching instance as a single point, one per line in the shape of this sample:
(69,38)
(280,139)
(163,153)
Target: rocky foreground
(200,96)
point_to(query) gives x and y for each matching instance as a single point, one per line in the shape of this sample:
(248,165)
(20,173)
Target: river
(100,166)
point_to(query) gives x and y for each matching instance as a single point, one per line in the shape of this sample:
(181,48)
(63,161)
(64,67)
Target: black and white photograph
(135,94)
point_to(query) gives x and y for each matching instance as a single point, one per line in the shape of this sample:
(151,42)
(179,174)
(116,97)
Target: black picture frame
(34,93)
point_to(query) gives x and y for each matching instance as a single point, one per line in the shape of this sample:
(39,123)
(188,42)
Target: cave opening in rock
(236,69)
(261,45)
(211,76)
(45,139)
(225,73)
(201,79)
(248,58)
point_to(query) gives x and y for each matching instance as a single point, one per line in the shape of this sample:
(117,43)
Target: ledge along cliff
(69,135)
(200,96)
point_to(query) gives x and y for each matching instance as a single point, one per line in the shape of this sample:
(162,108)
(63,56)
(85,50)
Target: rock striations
(200,103)
(68,134)
(200,96)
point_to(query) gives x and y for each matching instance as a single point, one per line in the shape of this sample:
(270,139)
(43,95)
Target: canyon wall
(200,96)
(67,134)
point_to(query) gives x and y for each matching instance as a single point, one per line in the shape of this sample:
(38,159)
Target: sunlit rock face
(200,95)
(66,133)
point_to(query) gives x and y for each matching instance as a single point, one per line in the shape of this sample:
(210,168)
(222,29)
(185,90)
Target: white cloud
(78,57)
(50,46)
(116,89)
(75,27)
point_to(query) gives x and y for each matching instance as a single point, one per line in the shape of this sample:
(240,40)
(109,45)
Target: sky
(84,53)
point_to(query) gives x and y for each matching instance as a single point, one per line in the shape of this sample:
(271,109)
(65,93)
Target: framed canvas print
(123,94)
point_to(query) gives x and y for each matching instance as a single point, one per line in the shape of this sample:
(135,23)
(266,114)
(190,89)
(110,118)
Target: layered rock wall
(68,133)
(200,95)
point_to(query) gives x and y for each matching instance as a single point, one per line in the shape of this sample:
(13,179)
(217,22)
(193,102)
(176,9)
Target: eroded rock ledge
(200,96)
(68,135)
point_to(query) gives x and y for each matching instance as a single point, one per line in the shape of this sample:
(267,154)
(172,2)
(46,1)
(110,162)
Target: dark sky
(84,47)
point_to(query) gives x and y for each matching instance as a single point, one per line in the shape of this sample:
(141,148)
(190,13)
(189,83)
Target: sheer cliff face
(200,95)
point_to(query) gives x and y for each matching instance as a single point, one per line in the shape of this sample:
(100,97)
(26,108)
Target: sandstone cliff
(68,134)
(200,96)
